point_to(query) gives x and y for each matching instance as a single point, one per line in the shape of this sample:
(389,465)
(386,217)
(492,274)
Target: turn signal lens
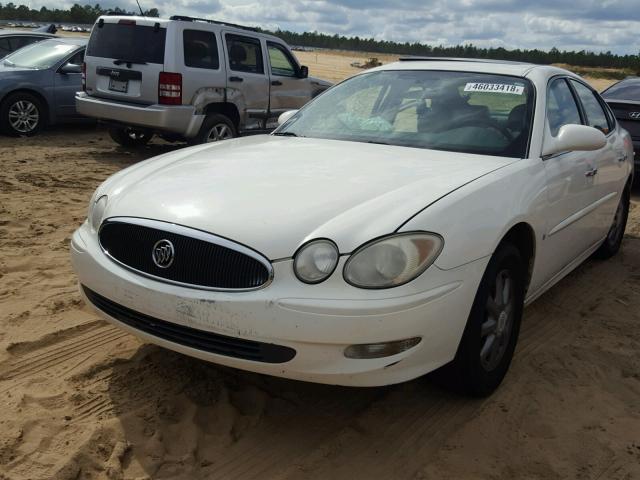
(316,261)
(392,261)
(380,350)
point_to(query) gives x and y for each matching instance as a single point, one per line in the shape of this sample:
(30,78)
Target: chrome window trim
(192,233)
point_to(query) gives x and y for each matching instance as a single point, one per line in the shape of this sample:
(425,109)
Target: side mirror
(574,138)
(286,116)
(70,68)
(304,71)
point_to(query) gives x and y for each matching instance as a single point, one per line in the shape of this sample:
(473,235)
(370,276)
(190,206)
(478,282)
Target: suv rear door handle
(235,79)
(591,173)
(276,83)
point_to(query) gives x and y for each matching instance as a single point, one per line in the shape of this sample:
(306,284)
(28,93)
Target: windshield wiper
(287,134)
(128,62)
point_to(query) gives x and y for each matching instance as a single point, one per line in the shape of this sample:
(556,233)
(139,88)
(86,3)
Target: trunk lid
(124,58)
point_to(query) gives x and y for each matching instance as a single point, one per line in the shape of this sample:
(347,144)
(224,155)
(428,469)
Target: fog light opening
(380,350)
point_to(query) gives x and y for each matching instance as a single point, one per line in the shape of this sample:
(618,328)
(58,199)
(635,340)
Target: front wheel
(491,334)
(129,137)
(22,114)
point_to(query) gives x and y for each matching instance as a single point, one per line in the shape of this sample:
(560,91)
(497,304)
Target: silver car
(187,78)
(38,85)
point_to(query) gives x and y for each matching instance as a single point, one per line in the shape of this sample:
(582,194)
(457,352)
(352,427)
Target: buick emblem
(635,115)
(163,254)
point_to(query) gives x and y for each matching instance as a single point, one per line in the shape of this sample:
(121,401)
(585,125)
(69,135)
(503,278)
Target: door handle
(591,173)
(235,79)
(276,83)
(623,158)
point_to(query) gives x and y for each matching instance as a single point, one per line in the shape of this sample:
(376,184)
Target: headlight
(393,260)
(96,212)
(316,261)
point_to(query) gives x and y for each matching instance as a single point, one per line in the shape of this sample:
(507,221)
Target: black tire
(130,137)
(22,114)
(469,372)
(612,243)
(215,127)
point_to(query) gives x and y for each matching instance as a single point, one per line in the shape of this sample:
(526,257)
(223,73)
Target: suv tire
(481,363)
(216,127)
(129,137)
(22,114)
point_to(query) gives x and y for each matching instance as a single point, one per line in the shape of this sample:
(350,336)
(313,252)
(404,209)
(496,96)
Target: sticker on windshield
(494,87)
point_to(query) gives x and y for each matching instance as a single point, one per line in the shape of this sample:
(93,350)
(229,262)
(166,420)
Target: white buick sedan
(396,225)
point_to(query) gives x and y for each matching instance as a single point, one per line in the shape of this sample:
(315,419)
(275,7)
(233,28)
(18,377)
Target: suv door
(247,83)
(288,90)
(571,225)
(66,85)
(610,160)
(124,59)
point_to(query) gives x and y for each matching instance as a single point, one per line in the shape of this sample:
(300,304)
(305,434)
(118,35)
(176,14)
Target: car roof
(164,22)
(22,33)
(70,40)
(499,67)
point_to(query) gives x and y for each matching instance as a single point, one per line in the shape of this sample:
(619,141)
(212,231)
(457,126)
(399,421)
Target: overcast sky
(597,25)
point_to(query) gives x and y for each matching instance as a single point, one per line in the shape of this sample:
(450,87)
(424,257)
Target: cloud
(598,25)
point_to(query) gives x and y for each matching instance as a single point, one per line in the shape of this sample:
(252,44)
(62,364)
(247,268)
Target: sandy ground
(80,399)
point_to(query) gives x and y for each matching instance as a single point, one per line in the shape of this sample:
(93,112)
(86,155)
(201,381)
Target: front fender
(474,219)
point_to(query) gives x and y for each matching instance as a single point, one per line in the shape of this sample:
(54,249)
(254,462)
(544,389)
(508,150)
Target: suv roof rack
(184,18)
(459,59)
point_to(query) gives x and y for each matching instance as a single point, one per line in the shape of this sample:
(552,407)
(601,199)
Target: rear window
(133,43)
(200,49)
(625,90)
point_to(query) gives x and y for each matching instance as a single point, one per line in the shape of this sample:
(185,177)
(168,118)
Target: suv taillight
(170,88)
(84,77)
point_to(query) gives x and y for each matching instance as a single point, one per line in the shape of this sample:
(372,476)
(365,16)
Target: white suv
(188,78)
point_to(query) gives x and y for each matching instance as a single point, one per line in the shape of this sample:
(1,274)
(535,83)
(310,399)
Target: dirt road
(80,399)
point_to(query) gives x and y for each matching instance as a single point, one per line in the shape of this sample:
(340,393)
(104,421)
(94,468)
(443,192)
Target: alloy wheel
(495,332)
(24,116)
(220,131)
(617,225)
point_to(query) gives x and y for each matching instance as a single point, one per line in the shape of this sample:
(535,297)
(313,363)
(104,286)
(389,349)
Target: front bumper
(317,321)
(180,119)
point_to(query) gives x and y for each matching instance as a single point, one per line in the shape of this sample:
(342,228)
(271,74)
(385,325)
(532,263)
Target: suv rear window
(134,43)
(200,49)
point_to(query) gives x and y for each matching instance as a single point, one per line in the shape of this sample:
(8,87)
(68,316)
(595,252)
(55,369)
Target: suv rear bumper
(180,119)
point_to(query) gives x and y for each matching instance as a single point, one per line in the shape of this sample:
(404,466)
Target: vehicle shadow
(186,418)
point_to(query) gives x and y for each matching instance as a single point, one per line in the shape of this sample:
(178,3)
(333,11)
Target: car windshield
(442,110)
(40,55)
(623,91)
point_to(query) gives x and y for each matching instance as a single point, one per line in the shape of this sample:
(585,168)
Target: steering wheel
(476,122)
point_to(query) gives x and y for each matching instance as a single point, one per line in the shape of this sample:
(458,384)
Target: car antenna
(141,12)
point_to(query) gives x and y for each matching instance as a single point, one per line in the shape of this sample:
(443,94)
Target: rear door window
(561,106)
(245,54)
(596,117)
(200,49)
(129,42)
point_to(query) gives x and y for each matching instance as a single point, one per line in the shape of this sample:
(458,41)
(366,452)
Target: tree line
(76,14)
(88,14)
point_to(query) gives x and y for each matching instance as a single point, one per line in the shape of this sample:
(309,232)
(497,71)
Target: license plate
(118,85)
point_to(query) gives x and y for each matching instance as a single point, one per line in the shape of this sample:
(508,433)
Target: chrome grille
(199,259)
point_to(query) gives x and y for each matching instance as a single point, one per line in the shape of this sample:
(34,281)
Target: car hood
(274,193)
